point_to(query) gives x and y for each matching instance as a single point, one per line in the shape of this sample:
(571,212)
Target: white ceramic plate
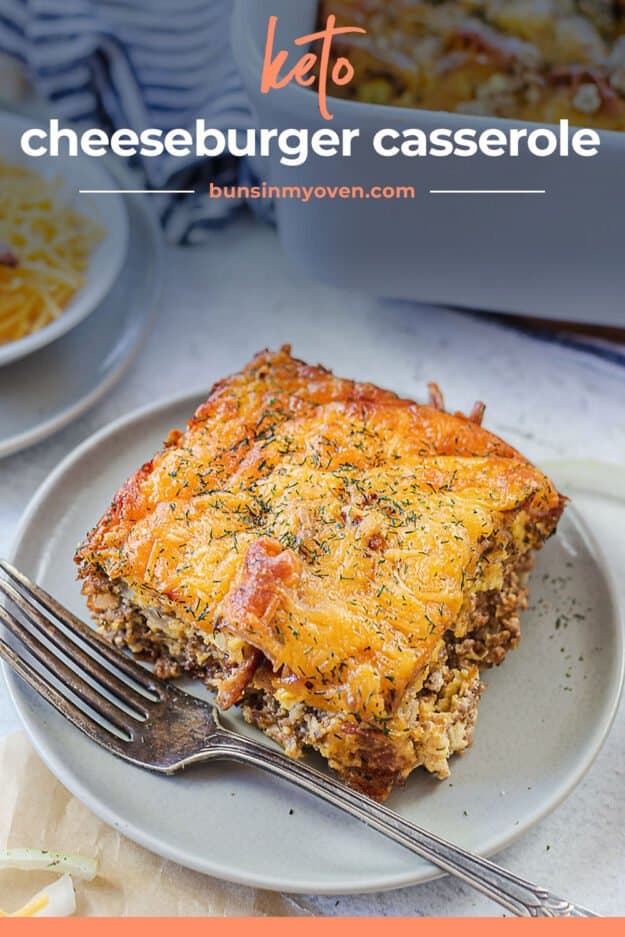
(108,211)
(542,720)
(44,392)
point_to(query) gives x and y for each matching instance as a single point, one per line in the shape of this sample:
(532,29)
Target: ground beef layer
(434,720)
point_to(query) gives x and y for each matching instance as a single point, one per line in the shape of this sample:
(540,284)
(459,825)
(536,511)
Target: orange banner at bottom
(314,927)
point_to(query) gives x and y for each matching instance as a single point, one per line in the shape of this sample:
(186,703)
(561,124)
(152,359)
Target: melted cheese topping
(330,525)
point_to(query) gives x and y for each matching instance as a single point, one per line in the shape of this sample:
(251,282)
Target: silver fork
(148,722)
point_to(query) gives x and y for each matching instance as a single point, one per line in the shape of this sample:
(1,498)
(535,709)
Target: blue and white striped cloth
(139,64)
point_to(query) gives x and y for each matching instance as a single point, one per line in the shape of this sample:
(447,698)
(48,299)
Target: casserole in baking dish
(554,255)
(536,60)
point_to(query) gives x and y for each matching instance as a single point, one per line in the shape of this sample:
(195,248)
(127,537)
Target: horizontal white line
(137,191)
(488,191)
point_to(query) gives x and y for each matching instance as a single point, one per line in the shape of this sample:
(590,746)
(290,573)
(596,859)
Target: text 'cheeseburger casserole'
(338,561)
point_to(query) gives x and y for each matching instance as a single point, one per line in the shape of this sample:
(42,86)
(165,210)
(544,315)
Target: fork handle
(517,895)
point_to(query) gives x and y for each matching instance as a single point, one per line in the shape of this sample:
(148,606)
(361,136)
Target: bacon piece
(576,75)
(479,40)
(436,397)
(437,401)
(477,413)
(232,687)
(269,572)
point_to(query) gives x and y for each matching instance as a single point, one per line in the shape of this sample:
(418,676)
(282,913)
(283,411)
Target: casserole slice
(338,561)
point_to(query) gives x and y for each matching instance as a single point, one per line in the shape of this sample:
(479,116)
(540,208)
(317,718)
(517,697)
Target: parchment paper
(36,811)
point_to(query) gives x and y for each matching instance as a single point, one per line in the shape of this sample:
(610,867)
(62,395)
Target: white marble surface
(222,303)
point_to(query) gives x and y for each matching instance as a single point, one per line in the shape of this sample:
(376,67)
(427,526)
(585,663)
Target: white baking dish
(559,255)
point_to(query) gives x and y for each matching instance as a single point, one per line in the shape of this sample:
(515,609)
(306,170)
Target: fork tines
(105,694)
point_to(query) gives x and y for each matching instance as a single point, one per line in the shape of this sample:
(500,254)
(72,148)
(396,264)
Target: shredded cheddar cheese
(50,246)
